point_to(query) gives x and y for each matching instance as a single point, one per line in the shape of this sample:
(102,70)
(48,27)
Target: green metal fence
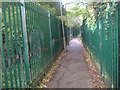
(67,34)
(0,49)
(31,39)
(102,43)
(71,33)
(119,40)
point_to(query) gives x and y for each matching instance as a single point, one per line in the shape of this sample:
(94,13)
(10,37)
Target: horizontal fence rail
(31,39)
(102,44)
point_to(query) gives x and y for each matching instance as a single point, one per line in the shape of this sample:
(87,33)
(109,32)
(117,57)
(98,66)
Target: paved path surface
(73,70)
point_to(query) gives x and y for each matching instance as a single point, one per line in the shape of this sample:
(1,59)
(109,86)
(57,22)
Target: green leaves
(54,7)
(0,4)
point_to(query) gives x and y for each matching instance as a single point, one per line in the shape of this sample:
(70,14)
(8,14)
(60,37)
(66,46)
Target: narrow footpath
(73,71)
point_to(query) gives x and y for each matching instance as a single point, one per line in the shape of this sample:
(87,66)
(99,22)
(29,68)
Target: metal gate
(31,39)
(14,46)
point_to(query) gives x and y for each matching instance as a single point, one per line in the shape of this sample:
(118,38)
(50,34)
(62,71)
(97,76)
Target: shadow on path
(73,70)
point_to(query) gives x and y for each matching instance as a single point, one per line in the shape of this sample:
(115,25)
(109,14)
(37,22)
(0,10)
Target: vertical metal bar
(15,42)
(114,55)
(51,44)
(3,61)
(30,25)
(7,44)
(28,15)
(59,35)
(19,47)
(21,60)
(116,34)
(10,24)
(0,47)
(31,21)
(63,27)
(100,30)
(119,44)
(26,55)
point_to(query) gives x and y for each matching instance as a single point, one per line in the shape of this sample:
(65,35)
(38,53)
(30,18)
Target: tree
(89,11)
(0,4)
(54,7)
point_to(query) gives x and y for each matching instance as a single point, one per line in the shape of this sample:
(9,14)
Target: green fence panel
(0,48)
(102,43)
(119,40)
(14,59)
(31,39)
(44,38)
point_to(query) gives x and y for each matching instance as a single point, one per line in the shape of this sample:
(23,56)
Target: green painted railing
(0,47)
(119,42)
(31,39)
(102,44)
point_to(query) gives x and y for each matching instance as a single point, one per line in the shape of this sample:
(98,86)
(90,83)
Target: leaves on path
(93,72)
(49,76)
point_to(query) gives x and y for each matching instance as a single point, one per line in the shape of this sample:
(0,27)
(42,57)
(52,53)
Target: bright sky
(67,1)
(68,6)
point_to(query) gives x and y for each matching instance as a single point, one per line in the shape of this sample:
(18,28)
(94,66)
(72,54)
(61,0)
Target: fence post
(64,42)
(51,43)
(59,34)
(118,44)
(117,47)
(0,47)
(26,54)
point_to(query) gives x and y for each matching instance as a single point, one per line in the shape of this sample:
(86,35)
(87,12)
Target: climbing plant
(91,12)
